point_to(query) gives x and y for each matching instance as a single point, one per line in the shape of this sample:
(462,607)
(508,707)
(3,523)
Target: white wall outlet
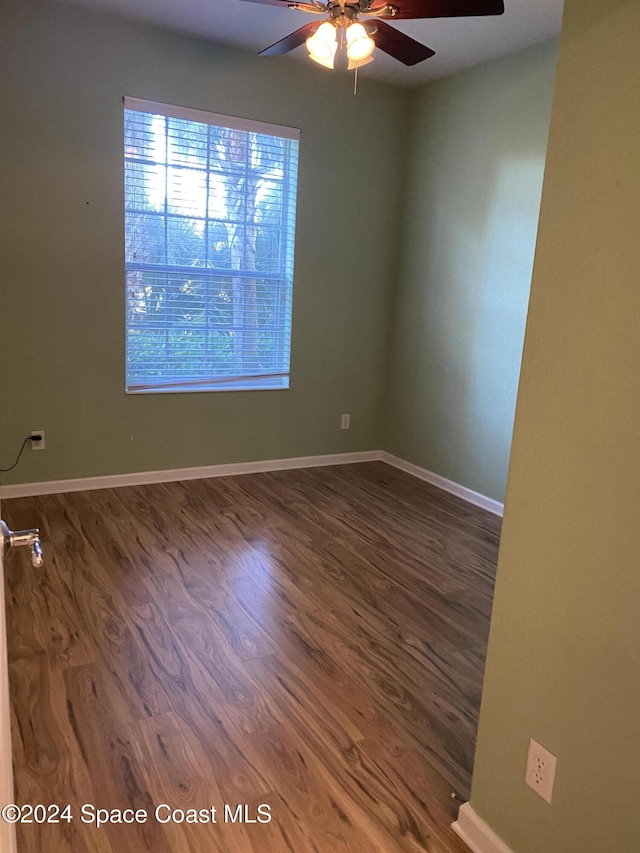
(345,422)
(37,445)
(541,770)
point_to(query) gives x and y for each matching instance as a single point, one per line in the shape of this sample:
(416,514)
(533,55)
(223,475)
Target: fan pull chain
(355,82)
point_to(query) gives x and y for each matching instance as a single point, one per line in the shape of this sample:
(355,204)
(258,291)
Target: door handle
(16,539)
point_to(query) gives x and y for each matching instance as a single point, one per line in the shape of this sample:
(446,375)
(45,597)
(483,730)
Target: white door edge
(7,830)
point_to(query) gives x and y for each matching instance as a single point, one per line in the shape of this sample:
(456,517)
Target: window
(209,232)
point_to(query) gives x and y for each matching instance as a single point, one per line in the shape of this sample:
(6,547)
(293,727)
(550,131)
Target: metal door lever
(16,539)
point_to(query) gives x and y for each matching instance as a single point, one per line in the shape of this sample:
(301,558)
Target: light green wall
(64,73)
(564,654)
(440,223)
(473,183)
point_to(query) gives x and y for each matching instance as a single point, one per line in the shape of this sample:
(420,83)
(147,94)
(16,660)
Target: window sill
(246,385)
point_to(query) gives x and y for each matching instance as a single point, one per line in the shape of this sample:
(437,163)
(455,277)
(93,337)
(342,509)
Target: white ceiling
(459,42)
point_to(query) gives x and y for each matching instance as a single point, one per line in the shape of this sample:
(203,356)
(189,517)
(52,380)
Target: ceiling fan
(342,27)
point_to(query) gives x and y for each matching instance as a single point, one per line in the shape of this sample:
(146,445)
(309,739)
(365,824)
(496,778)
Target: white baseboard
(112,481)
(456,489)
(476,834)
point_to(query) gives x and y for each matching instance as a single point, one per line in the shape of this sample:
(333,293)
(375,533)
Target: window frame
(277,380)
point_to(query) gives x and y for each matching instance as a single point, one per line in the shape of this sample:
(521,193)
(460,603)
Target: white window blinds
(209,238)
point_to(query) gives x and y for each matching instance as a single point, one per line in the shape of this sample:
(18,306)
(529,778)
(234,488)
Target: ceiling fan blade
(399,45)
(444,8)
(282,3)
(291,41)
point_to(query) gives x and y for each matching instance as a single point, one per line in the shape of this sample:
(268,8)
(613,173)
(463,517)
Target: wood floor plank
(187,656)
(378,669)
(213,603)
(56,625)
(110,758)
(298,779)
(69,778)
(180,776)
(312,640)
(418,783)
(102,614)
(301,703)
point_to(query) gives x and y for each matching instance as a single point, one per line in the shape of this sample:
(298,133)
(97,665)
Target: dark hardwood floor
(313,640)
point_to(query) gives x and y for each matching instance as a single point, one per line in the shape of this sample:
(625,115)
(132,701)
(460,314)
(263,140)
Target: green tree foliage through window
(209,228)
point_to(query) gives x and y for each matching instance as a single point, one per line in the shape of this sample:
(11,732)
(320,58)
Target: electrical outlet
(37,445)
(345,422)
(541,770)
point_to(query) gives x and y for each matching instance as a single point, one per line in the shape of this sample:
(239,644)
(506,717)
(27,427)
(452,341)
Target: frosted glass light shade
(359,44)
(322,44)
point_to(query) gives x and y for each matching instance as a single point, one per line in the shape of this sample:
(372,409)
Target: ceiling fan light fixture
(328,63)
(352,64)
(322,45)
(360,45)
(360,42)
